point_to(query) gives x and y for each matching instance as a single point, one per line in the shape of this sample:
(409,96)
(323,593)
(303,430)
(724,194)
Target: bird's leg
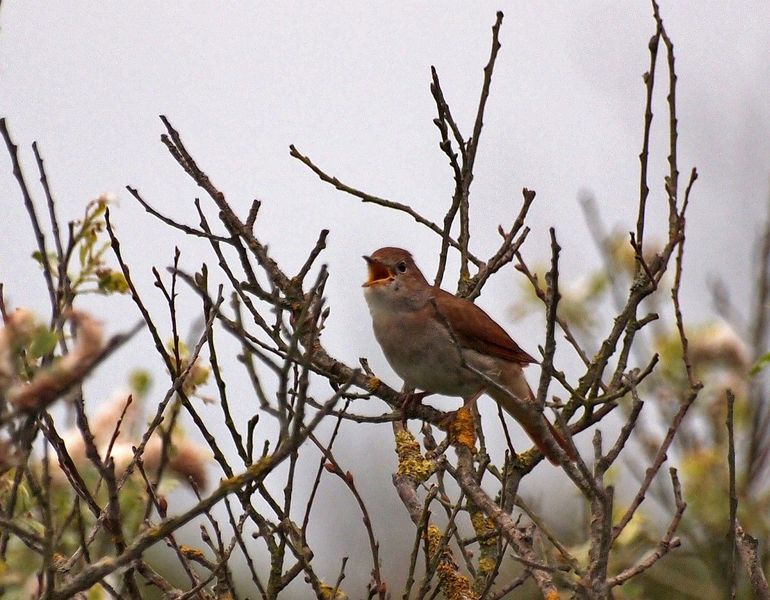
(446,422)
(410,399)
(471,399)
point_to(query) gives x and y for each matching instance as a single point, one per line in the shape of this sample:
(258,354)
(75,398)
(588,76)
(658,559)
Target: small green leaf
(112,282)
(96,593)
(99,209)
(199,373)
(43,342)
(140,382)
(82,254)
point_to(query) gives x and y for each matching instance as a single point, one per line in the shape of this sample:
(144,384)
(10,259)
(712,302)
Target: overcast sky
(348,84)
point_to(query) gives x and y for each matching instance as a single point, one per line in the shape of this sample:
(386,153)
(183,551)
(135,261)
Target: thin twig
(733,497)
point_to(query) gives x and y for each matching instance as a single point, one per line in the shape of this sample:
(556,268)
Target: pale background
(348,84)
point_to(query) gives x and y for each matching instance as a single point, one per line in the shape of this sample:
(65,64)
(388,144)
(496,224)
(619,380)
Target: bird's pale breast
(423,354)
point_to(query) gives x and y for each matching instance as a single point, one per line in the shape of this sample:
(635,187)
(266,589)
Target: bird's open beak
(378,273)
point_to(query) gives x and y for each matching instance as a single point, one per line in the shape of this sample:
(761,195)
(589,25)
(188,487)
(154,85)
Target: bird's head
(394,277)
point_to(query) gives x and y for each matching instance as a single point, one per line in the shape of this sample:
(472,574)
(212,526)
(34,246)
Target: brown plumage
(428,335)
(475,329)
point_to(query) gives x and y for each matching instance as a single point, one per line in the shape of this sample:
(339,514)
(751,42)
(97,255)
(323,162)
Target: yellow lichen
(463,430)
(59,560)
(433,534)
(231,483)
(528,458)
(190,552)
(454,584)
(258,467)
(410,460)
(412,463)
(483,526)
(486,565)
(327,591)
(253,471)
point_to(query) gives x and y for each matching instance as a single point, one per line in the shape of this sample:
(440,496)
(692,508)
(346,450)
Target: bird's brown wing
(475,329)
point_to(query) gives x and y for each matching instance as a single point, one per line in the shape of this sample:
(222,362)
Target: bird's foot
(408,401)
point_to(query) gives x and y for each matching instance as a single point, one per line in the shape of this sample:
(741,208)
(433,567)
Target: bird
(435,341)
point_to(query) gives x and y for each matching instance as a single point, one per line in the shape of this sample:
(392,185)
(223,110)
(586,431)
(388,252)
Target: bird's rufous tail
(526,413)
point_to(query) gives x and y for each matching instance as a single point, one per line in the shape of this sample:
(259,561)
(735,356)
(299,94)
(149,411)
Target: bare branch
(748,549)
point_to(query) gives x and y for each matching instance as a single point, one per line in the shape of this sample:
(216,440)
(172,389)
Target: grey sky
(348,84)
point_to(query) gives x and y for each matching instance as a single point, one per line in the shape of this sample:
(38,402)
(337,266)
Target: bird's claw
(408,401)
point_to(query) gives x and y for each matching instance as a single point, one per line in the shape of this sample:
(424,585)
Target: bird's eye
(401,267)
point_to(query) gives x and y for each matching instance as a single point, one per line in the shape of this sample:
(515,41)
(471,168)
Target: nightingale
(430,337)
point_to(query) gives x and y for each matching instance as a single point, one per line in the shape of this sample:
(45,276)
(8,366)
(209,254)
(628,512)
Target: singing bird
(424,330)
